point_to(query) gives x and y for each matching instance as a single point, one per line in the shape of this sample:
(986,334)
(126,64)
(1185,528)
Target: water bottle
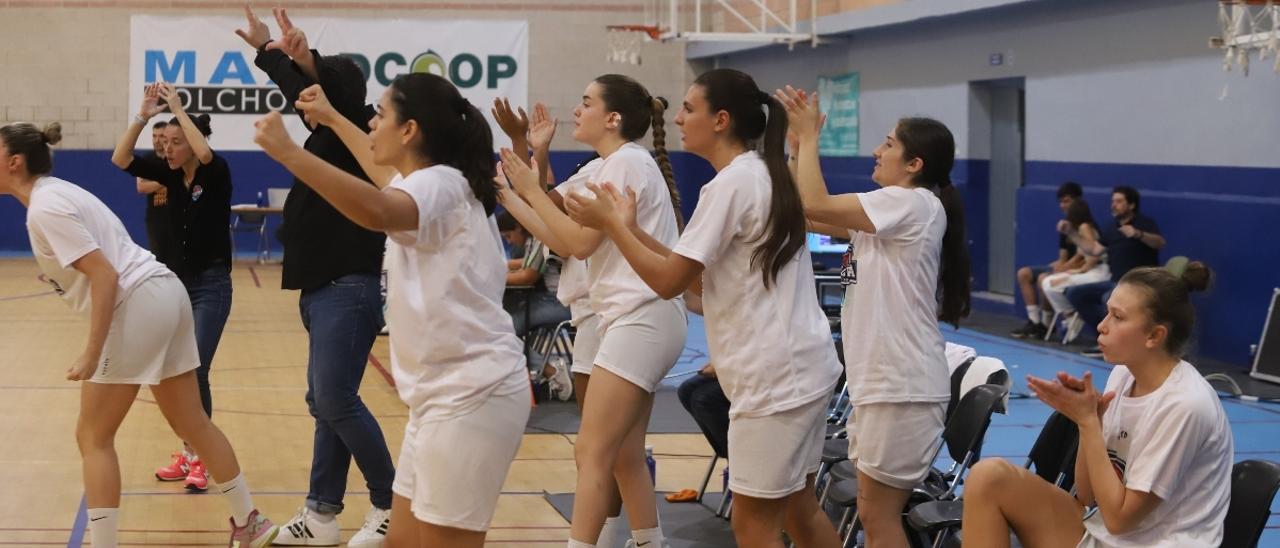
(653,464)
(262,202)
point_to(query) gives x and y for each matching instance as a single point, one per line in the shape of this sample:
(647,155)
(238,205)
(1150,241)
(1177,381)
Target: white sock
(1046,316)
(579,544)
(1033,313)
(323,517)
(103,523)
(237,494)
(648,538)
(609,534)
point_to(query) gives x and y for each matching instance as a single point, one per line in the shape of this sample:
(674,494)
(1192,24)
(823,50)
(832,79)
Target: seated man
(537,273)
(1133,241)
(703,398)
(1039,313)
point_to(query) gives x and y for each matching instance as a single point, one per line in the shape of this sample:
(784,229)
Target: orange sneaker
(197,478)
(176,471)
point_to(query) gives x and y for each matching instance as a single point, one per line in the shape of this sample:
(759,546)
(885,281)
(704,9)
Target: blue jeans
(1090,300)
(210,294)
(543,310)
(343,318)
(704,399)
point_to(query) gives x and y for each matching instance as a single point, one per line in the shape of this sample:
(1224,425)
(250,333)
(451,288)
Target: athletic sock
(579,544)
(1033,314)
(103,523)
(609,534)
(237,494)
(648,538)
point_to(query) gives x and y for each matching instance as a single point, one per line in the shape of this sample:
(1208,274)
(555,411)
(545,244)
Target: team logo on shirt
(848,267)
(1118,464)
(196,192)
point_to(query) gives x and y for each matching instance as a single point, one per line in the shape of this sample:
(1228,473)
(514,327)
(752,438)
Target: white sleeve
(1161,457)
(896,212)
(61,226)
(716,221)
(442,210)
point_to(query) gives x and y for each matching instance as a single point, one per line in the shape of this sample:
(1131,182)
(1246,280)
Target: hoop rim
(652,31)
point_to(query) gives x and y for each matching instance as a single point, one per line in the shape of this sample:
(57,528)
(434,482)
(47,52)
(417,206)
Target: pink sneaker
(197,478)
(177,471)
(257,533)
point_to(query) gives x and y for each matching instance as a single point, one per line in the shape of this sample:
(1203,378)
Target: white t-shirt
(772,347)
(574,290)
(66,222)
(1176,444)
(616,289)
(893,351)
(452,344)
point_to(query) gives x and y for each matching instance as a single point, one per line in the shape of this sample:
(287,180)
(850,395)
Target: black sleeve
(219,175)
(154,169)
(283,72)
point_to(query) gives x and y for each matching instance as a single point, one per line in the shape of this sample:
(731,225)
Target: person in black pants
(337,266)
(704,399)
(197,183)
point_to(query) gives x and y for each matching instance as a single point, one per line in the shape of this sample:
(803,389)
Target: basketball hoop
(1248,25)
(625,40)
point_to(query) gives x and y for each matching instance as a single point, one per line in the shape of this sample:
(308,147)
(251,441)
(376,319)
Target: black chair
(963,437)
(1253,487)
(1052,457)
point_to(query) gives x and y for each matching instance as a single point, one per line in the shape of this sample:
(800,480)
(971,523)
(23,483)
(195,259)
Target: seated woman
(538,268)
(1091,267)
(1153,467)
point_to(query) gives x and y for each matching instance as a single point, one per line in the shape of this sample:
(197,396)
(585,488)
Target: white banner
(214,72)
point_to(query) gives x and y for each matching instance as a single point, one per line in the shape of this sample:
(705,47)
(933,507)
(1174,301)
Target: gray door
(1007,128)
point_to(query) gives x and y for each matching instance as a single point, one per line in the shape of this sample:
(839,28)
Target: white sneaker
(306,530)
(561,382)
(374,530)
(1075,324)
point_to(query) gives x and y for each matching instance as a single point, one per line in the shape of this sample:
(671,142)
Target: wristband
(139,119)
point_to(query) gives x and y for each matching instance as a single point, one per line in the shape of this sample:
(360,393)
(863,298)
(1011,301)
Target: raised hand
(313,102)
(269,133)
(513,123)
(803,115)
(523,177)
(542,128)
(256,33)
(170,96)
(152,104)
(608,207)
(293,42)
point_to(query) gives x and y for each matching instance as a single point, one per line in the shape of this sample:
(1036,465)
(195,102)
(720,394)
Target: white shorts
(896,443)
(772,455)
(586,344)
(453,469)
(644,344)
(152,335)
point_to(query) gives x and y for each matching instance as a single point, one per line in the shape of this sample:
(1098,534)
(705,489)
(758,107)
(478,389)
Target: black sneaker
(1029,330)
(1095,352)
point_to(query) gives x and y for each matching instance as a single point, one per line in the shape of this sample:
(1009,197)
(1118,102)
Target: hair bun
(52,133)
(1197,276)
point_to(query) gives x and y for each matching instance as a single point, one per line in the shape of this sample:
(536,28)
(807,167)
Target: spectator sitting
(1134,241)
(1030,277)
(1092,267)
(538,268)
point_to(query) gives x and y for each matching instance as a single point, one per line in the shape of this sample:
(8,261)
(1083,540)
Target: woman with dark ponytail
(454,355)
(907,252)
(642,333)
(1153,466)
(746,241)
(198,184)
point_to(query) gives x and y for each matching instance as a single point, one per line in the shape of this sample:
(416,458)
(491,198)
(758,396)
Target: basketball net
(1248,26)
(625,40)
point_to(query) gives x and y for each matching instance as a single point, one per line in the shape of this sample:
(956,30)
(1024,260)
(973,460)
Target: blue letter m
(184,63)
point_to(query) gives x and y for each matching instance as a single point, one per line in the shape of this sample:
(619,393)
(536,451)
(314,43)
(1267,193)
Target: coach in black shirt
(1133,241)
(337,265)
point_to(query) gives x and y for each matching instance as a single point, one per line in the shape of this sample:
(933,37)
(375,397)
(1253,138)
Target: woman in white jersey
(141,332)
(643,334)
(906,246)
(1153,467)
(746,241)
(456,360)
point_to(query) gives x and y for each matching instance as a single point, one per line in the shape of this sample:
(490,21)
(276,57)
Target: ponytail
(476,159)
(664,161)
(737,94)
(931,142)
(26,140)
